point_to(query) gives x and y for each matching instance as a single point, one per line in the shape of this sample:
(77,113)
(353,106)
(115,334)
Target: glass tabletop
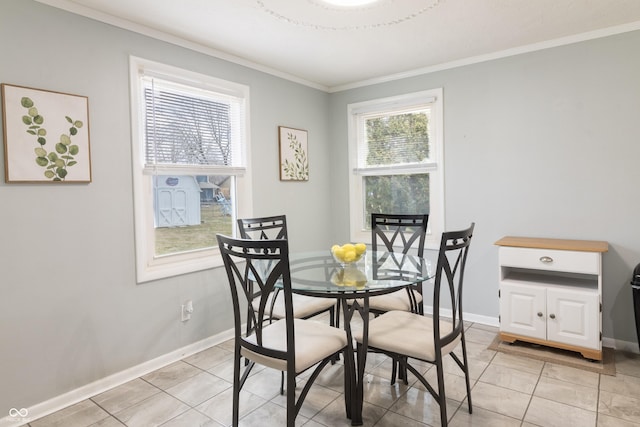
(318,272)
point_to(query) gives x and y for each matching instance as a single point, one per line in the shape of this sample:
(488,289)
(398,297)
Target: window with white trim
(190,166)
(396,161)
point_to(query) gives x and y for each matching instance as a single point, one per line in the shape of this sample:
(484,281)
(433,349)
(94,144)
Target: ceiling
(334,48)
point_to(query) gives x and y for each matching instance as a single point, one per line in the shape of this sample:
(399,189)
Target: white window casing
(146,74)
(432,101)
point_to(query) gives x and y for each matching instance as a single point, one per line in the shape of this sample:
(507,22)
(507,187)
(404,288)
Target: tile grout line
(598,399)
(533,393)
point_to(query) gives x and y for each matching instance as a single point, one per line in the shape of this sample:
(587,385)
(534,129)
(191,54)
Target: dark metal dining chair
(290,345)
(405,234)
(405,335)
(398,233)
(304,307)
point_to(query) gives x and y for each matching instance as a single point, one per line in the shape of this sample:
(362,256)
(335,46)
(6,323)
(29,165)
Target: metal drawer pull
(546,259)
(553,316)
(539,314)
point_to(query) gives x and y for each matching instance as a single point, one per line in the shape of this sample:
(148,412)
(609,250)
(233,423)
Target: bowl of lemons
(348,253)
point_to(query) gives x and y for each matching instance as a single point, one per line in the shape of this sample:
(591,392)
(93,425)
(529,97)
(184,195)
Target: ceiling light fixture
(346,15)
(349,3)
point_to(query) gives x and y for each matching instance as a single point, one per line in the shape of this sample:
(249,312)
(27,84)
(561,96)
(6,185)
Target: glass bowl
(348,261)
(347,253)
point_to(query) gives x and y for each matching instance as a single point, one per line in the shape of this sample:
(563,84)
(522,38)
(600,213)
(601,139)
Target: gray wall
(539,144)
(70,309)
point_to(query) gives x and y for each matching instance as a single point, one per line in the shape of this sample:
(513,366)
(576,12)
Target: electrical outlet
(186,310)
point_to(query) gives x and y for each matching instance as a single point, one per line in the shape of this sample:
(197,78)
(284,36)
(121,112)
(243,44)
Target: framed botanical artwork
(46,136)
(294,160)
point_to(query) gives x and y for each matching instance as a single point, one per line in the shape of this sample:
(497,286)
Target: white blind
(192,130)
(395,139)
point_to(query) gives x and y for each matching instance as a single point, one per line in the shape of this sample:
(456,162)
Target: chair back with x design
(452,260)
(398,234)
(262,228)
(269,227)
(260,264)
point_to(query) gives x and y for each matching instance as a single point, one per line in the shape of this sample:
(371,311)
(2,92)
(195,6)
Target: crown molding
(75,8)
(576,38)
(125,24)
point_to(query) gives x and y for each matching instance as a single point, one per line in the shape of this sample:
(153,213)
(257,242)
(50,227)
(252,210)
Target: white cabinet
(551,293)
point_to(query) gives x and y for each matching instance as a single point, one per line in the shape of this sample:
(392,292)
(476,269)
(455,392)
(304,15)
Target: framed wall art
(294,160)
(46,136)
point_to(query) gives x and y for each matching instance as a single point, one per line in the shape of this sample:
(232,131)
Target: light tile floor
(506,391)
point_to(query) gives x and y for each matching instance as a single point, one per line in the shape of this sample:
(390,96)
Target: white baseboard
(620,345)
(74,396)
(468,317)
(484,320)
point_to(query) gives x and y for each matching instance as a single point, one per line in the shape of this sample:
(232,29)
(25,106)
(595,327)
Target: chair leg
(291,399)
(333,320)
(332,316)
(442,399)
(394,370)
(399,370)
(466,372)
(348,375)
(282,383)
(402,370)
(249,329)
(405,373)
(236,389)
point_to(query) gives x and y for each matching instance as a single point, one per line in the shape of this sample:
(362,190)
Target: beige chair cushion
(407,333)
(303,306)
(398,300)
(314,342)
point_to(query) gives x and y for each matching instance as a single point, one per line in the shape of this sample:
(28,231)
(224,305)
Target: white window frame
(149,266)
(435,167)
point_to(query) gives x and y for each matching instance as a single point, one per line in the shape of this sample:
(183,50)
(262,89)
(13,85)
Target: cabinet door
(522,310)
(573,317)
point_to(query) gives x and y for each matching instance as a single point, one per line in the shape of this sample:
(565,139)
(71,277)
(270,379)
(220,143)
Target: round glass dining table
(317,273)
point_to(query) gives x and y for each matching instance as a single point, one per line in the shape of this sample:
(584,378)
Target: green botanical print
(57,161)
(298,169)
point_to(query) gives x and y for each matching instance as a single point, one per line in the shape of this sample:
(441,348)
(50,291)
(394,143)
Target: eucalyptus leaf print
(57,161)
(298,168)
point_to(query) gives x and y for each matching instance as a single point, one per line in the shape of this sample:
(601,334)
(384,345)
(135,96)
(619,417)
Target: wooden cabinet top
(560,244)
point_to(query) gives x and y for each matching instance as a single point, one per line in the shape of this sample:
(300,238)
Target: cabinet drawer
(551,260)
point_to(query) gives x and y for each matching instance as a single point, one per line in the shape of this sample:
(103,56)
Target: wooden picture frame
(294,159)
(46,136)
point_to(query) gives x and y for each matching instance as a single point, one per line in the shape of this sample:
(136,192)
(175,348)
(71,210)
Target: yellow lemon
(348,252)
(349,247)
(339,253)
(349,255)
